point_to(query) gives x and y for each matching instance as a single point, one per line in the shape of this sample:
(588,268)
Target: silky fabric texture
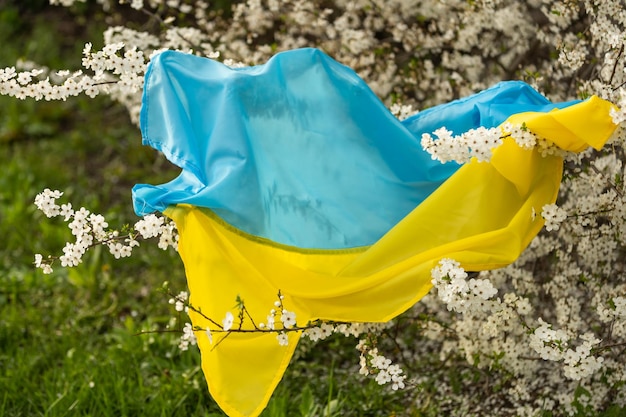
(299,150)
(480,214)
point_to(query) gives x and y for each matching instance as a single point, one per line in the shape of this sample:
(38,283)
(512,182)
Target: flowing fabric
(296,178)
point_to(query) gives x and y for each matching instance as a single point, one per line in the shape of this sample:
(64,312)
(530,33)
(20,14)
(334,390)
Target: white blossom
(288,318)
(228,321)
(188,337)
(553,215)
(283,339)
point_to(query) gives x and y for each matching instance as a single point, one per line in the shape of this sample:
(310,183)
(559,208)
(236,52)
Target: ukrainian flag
(296,178)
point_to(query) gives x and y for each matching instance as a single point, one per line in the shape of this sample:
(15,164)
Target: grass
(72,343)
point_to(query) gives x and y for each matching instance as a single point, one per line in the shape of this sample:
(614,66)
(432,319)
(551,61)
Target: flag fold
(296,178)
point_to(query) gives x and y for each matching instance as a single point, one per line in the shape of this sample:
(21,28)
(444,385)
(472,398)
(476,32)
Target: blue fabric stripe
(299,150)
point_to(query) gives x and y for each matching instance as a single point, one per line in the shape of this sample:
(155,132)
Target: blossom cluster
(373,363)
(287,320)
(506,334)
(180,301)
(91,229)
(475,143)
(553,216)
(553,345)
(188,337)
(453,288)
(480,143)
